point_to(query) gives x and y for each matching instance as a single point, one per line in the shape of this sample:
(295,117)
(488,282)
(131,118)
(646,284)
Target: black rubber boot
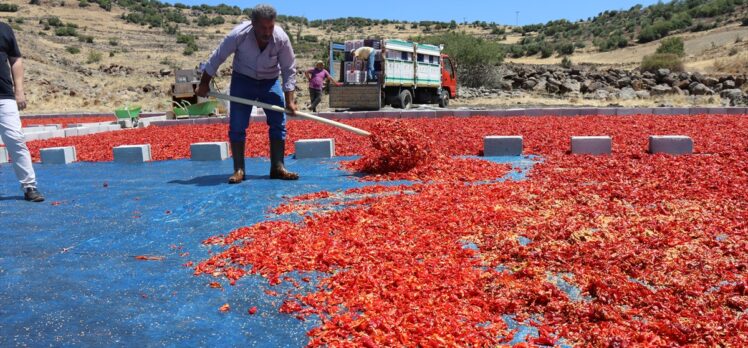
(277,168)
(237,154)
(31,194)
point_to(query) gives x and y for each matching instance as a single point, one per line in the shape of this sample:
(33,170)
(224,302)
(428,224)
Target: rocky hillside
(96,55)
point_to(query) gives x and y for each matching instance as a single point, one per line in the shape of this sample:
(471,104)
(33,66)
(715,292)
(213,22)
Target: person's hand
(202,90)
(21,100)
(338,84)
(291,108)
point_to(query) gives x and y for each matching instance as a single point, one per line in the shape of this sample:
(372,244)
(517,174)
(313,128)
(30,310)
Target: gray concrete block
(113,127)
(735,111)
(314,148)
(132,153)
(671,111)
(717,111)
(671,144)
(59,155)
(634,111)
(217,151)
(444,113)
(496,113)
(494,146)
(126,123)
(461,113)
(587,111)
(4,158)
(71,132)
(607,111)
(595,145)
(418,114)
(514,112)
(699,111)
(59,133)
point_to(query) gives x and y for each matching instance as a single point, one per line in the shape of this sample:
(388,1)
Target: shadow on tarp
(68,271)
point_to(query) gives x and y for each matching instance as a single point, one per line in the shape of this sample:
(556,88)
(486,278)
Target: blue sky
(502,11)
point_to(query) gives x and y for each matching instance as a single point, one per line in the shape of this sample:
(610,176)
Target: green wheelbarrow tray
(204,108)
(127,113)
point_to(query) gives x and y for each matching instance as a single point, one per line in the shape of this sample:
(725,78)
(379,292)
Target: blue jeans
(372,71)
(266,91)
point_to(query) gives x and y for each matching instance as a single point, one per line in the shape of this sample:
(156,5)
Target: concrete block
(735,111)
(314,148)
(671,144)
(587,111)
(4,158)
(132,153)
(217,151)
(699,111)
(418,114)
(597,145)
(444,113)
(634,111)
(671,111)
(125,123)
(59,133)
(461,113)
(71,132)
(59,155)
(496,113)
(113,127)
(607,111)
(514,112)
(494,146)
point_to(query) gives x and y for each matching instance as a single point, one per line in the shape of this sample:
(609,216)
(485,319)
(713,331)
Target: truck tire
(444,99)
(405,100)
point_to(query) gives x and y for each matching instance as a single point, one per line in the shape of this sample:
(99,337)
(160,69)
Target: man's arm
(329,78)
(287,61)
(224,50)
(16,69)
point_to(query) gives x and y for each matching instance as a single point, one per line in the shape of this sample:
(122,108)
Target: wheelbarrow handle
(305,115)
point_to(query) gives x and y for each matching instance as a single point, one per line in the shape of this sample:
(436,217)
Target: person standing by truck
(262,53)
(368,54)
(13,99)
(317,77)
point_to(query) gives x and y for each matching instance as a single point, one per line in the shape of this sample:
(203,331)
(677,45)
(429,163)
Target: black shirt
(8,49)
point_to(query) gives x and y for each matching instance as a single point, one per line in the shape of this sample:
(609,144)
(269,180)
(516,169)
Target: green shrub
(8,8)
(86,39)
(54,21)
(672,45)
(113,42)
(93,57)
(83,3)
(745,22)
(662,61)
(311,38)
(66,31)
(565,48)
(476,59)
(566,63)
(546,50)
(73,50)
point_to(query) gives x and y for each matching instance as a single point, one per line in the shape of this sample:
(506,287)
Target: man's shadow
(215,180)
(11,198)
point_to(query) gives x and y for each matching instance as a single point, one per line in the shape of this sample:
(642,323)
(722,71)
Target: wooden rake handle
(304,115)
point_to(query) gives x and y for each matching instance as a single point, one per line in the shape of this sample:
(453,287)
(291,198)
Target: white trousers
(12,135)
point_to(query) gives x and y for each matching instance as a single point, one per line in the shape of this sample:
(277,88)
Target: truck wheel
(444,99)
(405,99)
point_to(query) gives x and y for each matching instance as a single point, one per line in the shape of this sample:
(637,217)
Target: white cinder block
(671,144)
(113,127)
(59,133)
(71,132)
(217,151)
(132,153)
(495,146)
(59,155)
(126,123)
(314,148)
(599,145)
(4,158)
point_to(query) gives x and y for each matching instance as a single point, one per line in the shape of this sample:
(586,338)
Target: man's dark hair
(263,11)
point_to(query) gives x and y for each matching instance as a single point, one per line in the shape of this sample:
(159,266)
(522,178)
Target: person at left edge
(262,53)
(13,99)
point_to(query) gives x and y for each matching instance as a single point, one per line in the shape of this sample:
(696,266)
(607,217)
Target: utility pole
(517,12)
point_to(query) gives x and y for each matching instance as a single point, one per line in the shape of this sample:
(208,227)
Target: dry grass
(737,64)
